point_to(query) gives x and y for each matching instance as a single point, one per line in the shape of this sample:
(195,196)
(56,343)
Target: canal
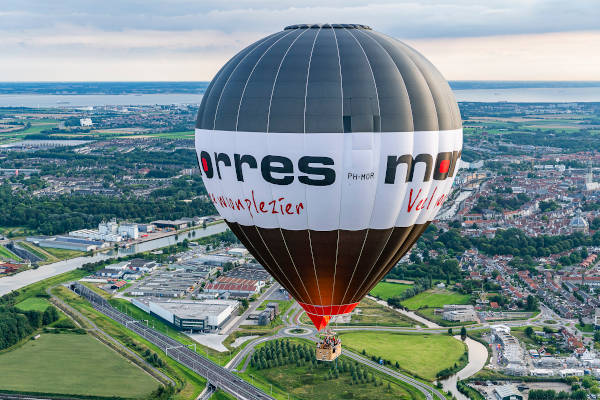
(17,281)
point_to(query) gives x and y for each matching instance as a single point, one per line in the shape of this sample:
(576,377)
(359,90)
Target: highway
(217,376)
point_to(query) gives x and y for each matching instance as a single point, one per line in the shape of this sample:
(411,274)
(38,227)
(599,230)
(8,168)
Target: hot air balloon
(328,149)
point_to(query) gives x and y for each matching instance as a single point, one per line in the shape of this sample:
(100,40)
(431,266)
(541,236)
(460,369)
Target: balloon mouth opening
(321,315)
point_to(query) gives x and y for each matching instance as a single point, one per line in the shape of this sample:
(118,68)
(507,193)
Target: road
(22,279)
(218,376)
(251,308)
(103,336)
(427,390)
(291,323)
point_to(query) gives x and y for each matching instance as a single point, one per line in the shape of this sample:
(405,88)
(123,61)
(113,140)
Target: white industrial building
(85,122)
(129,231)
(95,235)
(205,315)
(511,352)
(460,313)
(110,227)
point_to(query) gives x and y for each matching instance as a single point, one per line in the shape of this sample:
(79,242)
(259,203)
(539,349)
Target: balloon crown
(328,26)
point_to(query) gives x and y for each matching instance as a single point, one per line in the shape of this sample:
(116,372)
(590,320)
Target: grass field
(161,326)
(189,383)
(33,303)
(385,290)
(421,355)
(173,135)
(38,251)
(435,298)
(312,383)
(429,313)
(587,328)
(63,253)
(86,367)
(7,254)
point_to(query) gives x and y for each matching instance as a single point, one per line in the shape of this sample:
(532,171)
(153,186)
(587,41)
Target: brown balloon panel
(327,272)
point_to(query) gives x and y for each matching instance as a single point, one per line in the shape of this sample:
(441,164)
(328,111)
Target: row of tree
(16,324)
(62,214)
(540,394)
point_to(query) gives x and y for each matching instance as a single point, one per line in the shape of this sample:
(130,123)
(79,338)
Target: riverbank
(22,279)
(478,355)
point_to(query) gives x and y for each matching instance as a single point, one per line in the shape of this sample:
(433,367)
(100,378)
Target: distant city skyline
(186,40)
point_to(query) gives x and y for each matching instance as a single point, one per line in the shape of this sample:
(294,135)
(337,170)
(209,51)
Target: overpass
(216,375)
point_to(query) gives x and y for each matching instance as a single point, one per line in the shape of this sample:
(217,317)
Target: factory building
(507,392)
(67,243)
(129,231)
(167,224)
(459,313)
(96,235)
(202,316)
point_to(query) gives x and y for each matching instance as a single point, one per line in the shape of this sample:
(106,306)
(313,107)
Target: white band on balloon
(372,185)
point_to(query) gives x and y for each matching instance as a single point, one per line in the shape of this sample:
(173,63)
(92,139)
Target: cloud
(407,19)
(548,56)
(109,39)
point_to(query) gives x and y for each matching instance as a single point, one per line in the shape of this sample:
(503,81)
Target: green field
(33,303)
(429,313)
(588,328)
(38,251)
(173,135)
(189,384)
(63,253)
(303,382)
(421,355)
(7,254)
(87,367)
(385,290)
(435,298)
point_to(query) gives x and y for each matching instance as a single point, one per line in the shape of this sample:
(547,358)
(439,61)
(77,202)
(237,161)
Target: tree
(532,303)
(463,333)
(529,331)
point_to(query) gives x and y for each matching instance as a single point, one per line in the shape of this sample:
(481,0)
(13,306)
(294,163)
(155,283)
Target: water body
(30,276)
(87,100)
(530,95)
(478,354)
(517,95)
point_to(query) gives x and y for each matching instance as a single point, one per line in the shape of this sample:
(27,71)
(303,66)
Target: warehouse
(167,224)
(507,392)
(203,316)
(68,243)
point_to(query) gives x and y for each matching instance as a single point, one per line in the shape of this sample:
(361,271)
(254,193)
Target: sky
(189,40)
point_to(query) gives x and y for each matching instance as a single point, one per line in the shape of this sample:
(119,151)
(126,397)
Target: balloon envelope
(328,149)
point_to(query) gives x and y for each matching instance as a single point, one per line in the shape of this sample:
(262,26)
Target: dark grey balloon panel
(312,79)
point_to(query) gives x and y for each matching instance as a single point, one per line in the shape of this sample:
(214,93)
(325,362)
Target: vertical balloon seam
(237,118)
(337,242)
(232,74)
(404,192)
(439,99)
(303,31)
(373,280)
(377,166)
(304,144)
(407,69)
(213,83)
(223,73)
(283,274)
(412,146)
(262,261)
(270,187)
